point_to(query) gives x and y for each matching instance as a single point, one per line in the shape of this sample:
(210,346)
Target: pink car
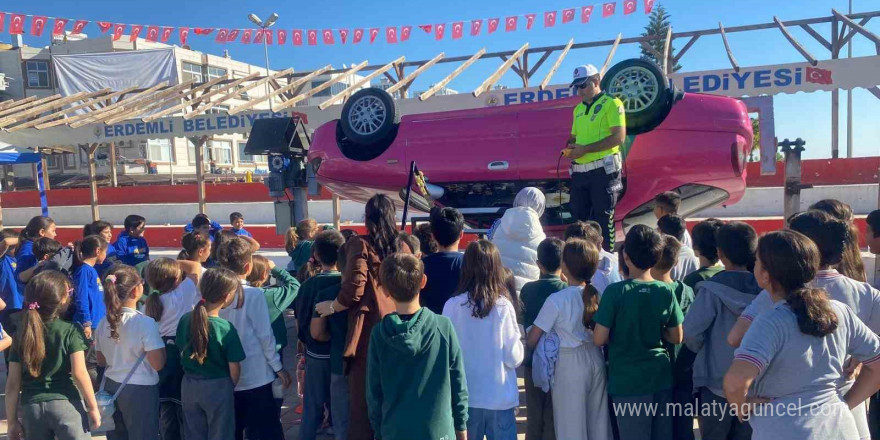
(477,160)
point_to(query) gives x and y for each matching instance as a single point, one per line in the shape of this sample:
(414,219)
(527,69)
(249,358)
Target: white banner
(114,70)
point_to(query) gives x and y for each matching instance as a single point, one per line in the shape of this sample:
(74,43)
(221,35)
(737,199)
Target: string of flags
(16,24)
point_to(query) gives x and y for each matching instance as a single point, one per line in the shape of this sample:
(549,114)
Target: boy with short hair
(539,425)
(411,242)
(416,385)
(641,312)
(443,268)
(718,304)
(706,250)
(873,235)
(687,262)
(237,222)
(131,246)
(667,203)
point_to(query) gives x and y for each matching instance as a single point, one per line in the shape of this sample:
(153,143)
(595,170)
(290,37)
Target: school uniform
(802,372)
(688,263)
(51,406)
(207,391)
(300,255)
(337,323)
(9,286)
(215,228)
(131,250)
(607,272)
(137,406)
(702,274)
(443,270)
(682,369)
(109,261)
(279,298)
(255,407)
(242,232)
(88,297)
(24,260)
(639,368)
(580,397)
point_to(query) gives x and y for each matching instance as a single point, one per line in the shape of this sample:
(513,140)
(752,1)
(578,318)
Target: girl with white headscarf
(518,233)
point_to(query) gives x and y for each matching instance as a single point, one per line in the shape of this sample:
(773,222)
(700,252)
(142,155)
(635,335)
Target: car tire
(645,91)
(368,118)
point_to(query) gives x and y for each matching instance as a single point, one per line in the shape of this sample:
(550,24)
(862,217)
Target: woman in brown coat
(359,294)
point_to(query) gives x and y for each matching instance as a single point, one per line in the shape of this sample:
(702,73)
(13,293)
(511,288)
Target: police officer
(597,132)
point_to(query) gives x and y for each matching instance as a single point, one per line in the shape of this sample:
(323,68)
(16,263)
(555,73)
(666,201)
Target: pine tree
(658,24)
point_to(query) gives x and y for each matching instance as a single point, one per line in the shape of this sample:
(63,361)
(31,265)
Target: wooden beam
(114,181)
(94,116)
(794,42)
(727,48)
(86,102)
(292,86)
(46,184)
(390,78)
(324,86)
(667,68)
(213,102)
(685,48)
(199,142)
(540,62)
(443,82)
(856,27)
(196,100)
(365,80)
(610,56)
(93,184)
(816,35)
(36,110)
(651,49)
(64,120)
(10,102)
(28,103)
(409,78)
(156,101)
(556,64)
(495,76)
(133,105)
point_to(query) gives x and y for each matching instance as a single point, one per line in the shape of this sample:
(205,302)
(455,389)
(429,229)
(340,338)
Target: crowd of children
(403,336)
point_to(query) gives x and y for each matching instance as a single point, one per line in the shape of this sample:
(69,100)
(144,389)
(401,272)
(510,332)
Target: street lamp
(265,25)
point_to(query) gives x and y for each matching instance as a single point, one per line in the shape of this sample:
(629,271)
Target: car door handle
(498,165)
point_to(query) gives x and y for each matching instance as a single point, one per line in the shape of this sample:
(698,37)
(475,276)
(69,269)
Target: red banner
(328,36)
(391,35)
(586,12)
(103,25)
(222,36)
(510,24)
(343,35)
(232,35)
(358,36)
(259,34)
(60,24)
(567,15)
(426,27)
(405,32)
(457,30)
(118,30)
(649,6)
(629,6)
(282,36)
(493,24)
(297,37)
(16,24)
(2,21)
(312,37)
(247,36)
(476,26)
(135,32)
(549,19)
(182,34)
(439,30)
(530,21)
(608,9)
(166,33)
(80,25)
(152,33)
(374,32)
(38,23)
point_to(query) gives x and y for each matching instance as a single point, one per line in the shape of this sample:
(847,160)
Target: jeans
(317,394)
(255,410)
(339,405)
(643,426)
(493,424)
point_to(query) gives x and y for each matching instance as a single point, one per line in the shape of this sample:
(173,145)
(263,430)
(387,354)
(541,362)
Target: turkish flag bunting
(426,27)
(439,30)
(405,32)
(328,36)
(258,36)
(476,26)
(358,36)
(649,5)
(60,24)
(79,25)
(267,34)
(135,32)
(391,35)
(103,25)
(530,21)
(152,33)
(282,36)
(222,36)
(182,34)
(247,35)
(457,30)
(608,9)
(586,12)
(629,6)
(232,35)
(549,19)
(16,23)
(118,30)
(510,24)
(296,37)
(312,37)
(493,24)
(343,35)
(2,20)
(203,31)
(374,32)
(567,15)
(38,23)
(166,34)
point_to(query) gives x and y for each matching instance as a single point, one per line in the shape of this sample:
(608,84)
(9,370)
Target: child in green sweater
(416,385)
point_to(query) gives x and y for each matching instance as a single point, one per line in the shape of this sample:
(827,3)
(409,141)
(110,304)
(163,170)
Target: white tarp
(114,70)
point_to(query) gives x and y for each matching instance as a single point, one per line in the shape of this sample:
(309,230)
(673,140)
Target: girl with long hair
(196,247)
(580,399)
(365,304)
(37,227)
(851,264)
(105,230)
(298,243)
(126,340)
(492,349)
(210,351)
(47,368)
(799,349)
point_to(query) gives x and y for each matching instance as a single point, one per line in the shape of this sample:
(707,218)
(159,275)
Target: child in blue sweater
(88,293)
(131,247)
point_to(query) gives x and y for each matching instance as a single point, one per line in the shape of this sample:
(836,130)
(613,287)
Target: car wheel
(644,90)
(368,117)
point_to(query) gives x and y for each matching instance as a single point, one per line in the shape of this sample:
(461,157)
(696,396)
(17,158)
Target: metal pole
(792,191)
(171,160)
(849,105)
(93,183)
(337,212)
(114,180)
(409,182)
(266,53)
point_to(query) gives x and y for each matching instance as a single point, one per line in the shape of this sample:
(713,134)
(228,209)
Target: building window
(222,152)
(69,161)
(325,92)
(159,150)
(192,71)
(52,161)
(242,157)
(219,110)
(216,72)
(37,73)
(191,153)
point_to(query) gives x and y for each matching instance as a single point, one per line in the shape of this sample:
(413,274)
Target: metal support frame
(792,195)
(794,42)
(495,76)
(443,82)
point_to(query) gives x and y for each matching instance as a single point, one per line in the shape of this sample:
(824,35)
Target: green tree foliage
(658,24)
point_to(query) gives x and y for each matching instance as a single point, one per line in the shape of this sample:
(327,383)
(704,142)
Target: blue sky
(801,115)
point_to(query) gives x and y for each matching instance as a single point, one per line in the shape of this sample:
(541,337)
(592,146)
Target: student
(540,404)
(608,269)
(105,230)
(237,222)
(718,304)
(518,233)
(196,247)
(492,349)
(427,243)
(443,267)
(211,353)
(128,341)
(799,349)
(255,408)
(682,366)
(688,263)
(621,262)
(203,224)
(668,203)
(580,399)
(50,255)
(175,294)
(408,243)
(88,293)
(131,247)
(36,228)
(852,264)
(317,387)
(278,297)
(9,293)
(873,236)
(298,243)
(416,386)
(641,313)
(47,367)
(706,250)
